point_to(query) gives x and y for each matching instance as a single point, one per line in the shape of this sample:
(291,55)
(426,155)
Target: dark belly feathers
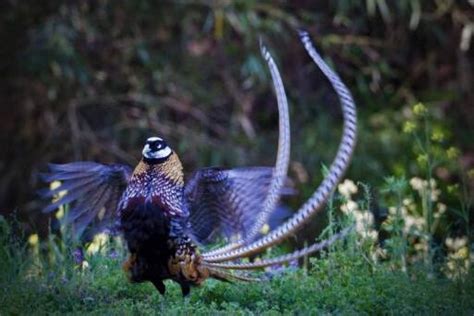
(146,230)
(145,226)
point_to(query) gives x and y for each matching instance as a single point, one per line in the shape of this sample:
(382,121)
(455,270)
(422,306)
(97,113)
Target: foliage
(342,281)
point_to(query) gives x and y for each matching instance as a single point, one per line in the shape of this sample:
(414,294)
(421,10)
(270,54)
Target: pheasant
(164,219)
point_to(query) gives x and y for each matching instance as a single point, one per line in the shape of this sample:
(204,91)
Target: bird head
(156,150)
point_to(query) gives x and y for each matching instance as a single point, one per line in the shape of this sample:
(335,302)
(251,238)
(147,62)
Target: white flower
(407,202)
(366,218)
(413,223)
(454,244)
(417,184)
(349,207)
(347,188)
(422,246)
(403,211)
(459,260)
(435,193)
(370,234)
(442,208)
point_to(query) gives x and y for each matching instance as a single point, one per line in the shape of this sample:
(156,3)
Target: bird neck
(171,169)
(161,184)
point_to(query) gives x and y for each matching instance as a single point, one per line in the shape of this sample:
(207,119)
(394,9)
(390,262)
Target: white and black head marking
(156,150)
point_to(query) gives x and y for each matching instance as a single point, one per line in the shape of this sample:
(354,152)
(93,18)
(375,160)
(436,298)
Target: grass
(340,282)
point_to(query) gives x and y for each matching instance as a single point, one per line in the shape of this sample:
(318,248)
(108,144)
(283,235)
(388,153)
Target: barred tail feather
(270,204)
(284,258)
(225,276)
(336,171)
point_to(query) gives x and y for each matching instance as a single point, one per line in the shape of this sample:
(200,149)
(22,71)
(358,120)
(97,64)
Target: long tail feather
(337,169)
(282,161)
(282,259)
(228,277)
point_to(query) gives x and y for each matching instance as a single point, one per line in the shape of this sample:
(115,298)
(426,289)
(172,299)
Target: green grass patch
(341,282)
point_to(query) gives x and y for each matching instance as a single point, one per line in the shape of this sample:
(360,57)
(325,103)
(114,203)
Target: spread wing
(227,202)
(91,190)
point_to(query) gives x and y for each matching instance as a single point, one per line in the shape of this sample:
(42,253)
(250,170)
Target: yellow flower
(419,109)
(470,174)
(54,185)
(33,240)
(453,153)
(60,212)
(437,136)
(454,188)
(265,229)
(422,159)
(409,127)
(463,253)
(97,243)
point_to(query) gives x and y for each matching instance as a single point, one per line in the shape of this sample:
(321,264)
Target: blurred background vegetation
(90,80)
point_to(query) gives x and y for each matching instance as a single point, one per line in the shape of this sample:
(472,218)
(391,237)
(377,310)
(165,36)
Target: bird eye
(161,144)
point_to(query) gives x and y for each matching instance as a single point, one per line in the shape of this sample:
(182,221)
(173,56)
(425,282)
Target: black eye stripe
(157,144)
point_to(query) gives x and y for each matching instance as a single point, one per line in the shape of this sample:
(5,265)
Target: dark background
(90,80)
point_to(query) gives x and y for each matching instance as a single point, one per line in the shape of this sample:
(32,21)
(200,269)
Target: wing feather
(82,221)
(226,202)
(92,191)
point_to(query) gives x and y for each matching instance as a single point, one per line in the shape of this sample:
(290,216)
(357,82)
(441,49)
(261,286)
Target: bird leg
(185,288)
(159,285)
(134,268)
